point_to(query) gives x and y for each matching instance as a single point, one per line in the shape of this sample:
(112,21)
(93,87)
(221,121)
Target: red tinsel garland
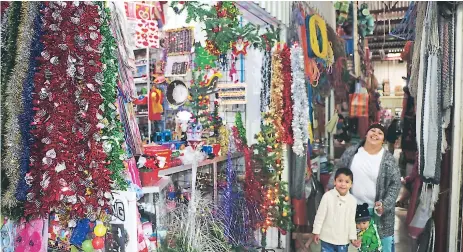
(287,98)
(68,171)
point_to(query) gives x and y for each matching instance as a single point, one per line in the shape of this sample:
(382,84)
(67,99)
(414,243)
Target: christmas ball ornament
(284,214)
(98,243)
(87,246)
(100,230)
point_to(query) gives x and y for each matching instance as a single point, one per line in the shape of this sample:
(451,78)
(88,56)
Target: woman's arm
(394,185)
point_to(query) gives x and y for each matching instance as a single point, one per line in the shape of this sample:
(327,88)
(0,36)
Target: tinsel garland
(241,129)
(113,136)
(287,99)
(223,138)
(301,104)
(266,73)
(27,116)
(13,140)
(68,172)
(276,98)
(8,50)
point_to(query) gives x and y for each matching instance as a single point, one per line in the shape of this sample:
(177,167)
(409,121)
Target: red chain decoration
(287,97)
(68,171)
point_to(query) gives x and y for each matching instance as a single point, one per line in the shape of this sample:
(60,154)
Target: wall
(392,71)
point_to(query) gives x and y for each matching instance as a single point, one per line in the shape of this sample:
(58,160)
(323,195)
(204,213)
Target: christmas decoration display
(287,136)
(68,160)
(145,22)
(203,59)
(239,47)
(266,80)
(276,90)
(14,87)
(180,41)
(300,98)
(112,131)
(222,26)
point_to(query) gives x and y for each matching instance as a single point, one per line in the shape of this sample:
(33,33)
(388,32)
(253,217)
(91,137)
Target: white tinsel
(300,123)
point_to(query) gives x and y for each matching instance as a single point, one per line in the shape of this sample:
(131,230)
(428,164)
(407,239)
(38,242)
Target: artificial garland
(13,140)
(27,116)
(113,136)
(276,99)
(266,73)
(300,107)
(241,129)
(68,172)
(10,22)
(287,100)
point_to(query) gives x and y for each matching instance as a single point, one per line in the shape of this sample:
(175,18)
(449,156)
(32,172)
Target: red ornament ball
(98,243)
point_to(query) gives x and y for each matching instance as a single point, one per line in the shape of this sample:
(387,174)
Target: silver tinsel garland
(13,101)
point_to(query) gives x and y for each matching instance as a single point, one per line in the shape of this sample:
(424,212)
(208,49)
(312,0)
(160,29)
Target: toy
(367,230)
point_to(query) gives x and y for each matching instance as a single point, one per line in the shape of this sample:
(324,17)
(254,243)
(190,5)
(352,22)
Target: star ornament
(240,47)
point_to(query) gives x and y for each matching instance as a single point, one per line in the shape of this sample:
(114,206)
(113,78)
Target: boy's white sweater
(335,219)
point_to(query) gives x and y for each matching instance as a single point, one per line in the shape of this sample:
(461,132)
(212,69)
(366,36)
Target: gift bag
(359,104)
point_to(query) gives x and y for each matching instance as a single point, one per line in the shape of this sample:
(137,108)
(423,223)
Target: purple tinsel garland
(228,192)
(26,117)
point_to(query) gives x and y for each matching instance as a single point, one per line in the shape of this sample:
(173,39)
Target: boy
(334,223)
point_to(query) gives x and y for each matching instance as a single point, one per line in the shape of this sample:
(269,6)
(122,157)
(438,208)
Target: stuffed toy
(366,230)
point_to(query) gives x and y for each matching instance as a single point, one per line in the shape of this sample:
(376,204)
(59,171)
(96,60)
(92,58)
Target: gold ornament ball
(287,198)
(285,214)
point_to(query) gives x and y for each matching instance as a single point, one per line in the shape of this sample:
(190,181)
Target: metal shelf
(158,187)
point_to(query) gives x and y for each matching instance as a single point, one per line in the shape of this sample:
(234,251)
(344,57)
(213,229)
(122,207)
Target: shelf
(140,80)
(158,187)
(181,168)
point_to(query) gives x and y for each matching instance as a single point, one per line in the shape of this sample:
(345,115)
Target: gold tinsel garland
(224,139)
(276,91)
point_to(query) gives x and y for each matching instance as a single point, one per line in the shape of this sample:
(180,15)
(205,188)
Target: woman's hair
(345,171)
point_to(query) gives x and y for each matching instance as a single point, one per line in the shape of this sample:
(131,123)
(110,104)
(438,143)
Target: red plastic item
(160,151)
(216,149)
(149,178)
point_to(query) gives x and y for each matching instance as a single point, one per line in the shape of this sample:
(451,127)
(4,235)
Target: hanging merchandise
(155,108)
(143,20)
(177,93)
(301,104)
(342,11)
(266,72)
(180,41)
(366,21)
(359,103)
(202,59)
(276,90)
(11,159)
(239,47)
(316,29)
(288,103)
(68,161)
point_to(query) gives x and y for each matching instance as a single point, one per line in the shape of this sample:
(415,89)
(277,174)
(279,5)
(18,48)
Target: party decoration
(276,99)
(100,230)
(80,232)
(143,18)
(112,132)
(87,246)
(301,104)
(98,243)
(287,132)
(203,59)
(155,109)
(222,26)
(68,159)
(232,93)
(240,128)
(266,72)
(29,236)
(239,47)
(180,41)
(177,93)
(14,88)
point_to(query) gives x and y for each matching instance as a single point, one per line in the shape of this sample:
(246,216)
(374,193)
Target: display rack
(142,80)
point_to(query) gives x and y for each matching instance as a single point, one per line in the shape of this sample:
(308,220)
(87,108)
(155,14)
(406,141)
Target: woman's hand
(316,238)
(379,207)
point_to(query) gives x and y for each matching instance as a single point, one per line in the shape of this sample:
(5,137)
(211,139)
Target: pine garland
(241,129)
(113,136)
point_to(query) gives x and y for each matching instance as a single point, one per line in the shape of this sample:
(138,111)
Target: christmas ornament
(239,47)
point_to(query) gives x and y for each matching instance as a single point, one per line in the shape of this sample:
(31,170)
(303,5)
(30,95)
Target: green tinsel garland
(9,37)
(13,143)
(240,127)
(113,136)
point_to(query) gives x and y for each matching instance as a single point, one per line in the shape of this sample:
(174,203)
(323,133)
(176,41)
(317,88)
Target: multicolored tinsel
(300,122)
(68,172)
(276,98)
(13,140)
(288,103)
(266,73)
(26,117)
(241,129)
(113,136)
(10,22)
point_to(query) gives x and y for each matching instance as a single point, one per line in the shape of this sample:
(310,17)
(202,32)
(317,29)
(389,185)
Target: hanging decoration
(222,26)
(316,25)
(180,41)
(266,72)
(276,90)
(14,90)
(300,98)
(366,21)
(155,108)
(204,60)
(142,17)
(288,104)
(342,11)
(239,47)
(26,117)
(113,136)
(68,170)
(234,93)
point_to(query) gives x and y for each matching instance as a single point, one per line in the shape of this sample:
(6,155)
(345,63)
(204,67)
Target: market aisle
(403,242)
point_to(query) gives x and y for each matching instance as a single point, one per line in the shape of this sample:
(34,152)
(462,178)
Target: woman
(378,178)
